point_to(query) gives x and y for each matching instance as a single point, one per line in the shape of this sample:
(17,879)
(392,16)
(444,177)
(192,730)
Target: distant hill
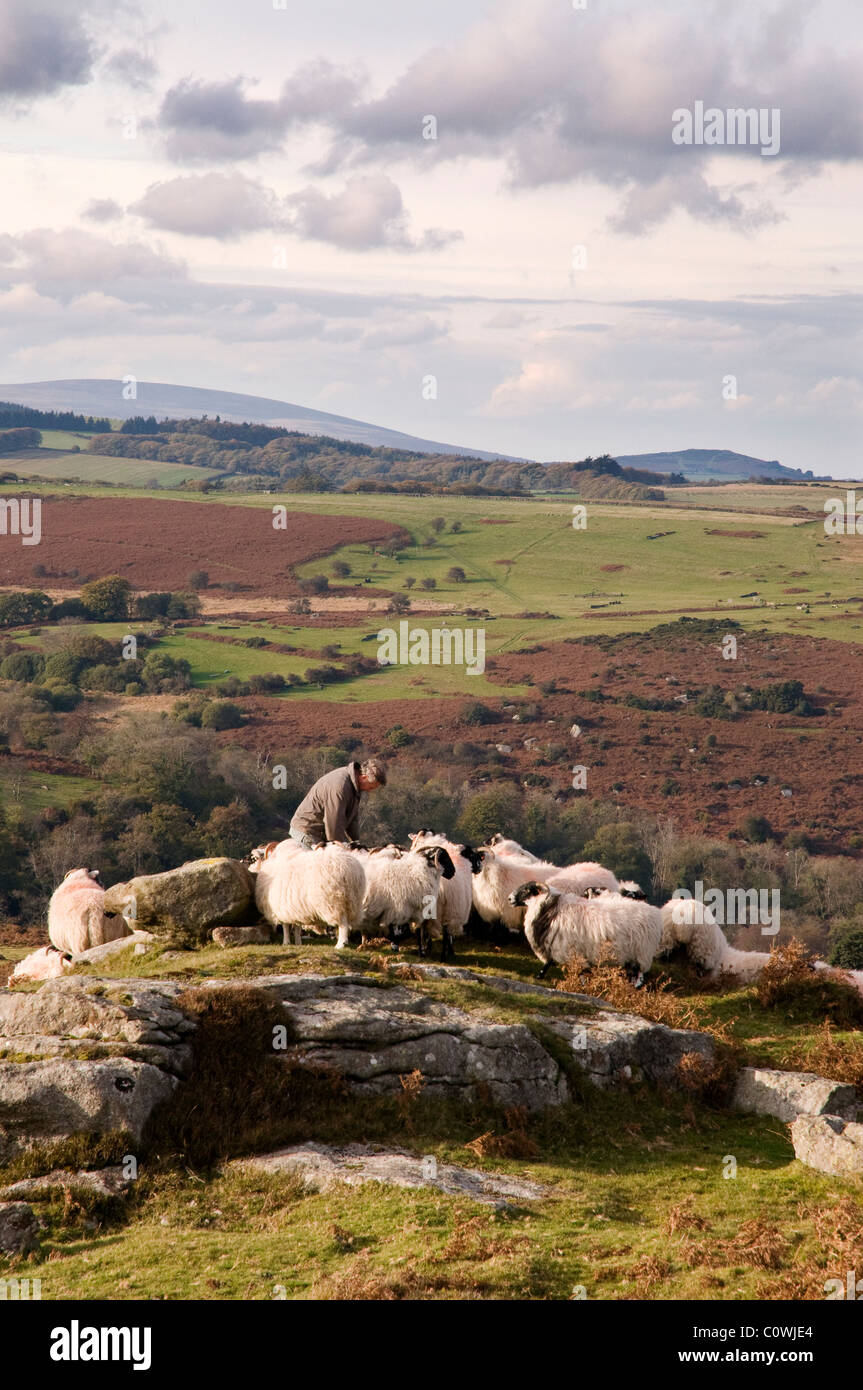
(96,396)
(698,464)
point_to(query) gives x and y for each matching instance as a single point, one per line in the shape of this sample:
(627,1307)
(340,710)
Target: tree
(456,574)
(455,527)
(20,608)
(318,584)
(198,579)
(620,847)
(399,603)
(107,600)
(428,583)
(340,569)
(409,581)
(847,954)
(438,523)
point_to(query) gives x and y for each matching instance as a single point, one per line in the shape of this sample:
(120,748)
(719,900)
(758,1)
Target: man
(330,810)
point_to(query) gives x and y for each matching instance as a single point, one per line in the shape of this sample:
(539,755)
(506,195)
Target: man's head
(372,774)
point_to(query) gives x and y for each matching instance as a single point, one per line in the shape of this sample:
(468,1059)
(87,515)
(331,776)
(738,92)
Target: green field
(35,790)
(96,468)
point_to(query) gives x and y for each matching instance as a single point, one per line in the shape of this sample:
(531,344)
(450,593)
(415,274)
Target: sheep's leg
(342,939)
(298,934)
(446,946)
(421,939)
(542,972)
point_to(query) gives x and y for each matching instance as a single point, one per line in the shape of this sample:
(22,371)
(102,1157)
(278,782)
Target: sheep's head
(628,889)
(81,876)
(475,857)
(522,896)
(439,859)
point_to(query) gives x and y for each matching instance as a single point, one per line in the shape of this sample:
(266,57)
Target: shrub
(789,984)
(428,583)
(340,569)
(198,579)
(475,712)
(847,954)
(456,574)
(399,737)
(221,714)
(756,829)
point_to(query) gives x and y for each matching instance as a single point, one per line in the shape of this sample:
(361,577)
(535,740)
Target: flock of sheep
(435,888)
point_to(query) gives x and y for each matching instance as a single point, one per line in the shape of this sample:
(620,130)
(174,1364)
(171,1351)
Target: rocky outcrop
(373,1034)
(829,1143)
(19,1230)
(184,905)
(322,1167)
(82,1055)
(90,1018)
(787,1094)
(42,1102)
(614,1048)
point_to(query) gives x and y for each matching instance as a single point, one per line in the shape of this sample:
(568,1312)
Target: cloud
(102,210)
(368,212)
(69,262)
(217,205)
(560,96)
(214,121)
(43,48)
(132,68)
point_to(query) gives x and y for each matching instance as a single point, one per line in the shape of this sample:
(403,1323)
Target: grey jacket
(330,809)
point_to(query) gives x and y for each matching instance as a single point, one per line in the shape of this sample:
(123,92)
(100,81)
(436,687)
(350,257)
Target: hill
(99,397)
(715,463)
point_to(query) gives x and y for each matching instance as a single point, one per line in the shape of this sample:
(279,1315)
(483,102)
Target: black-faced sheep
(561,927)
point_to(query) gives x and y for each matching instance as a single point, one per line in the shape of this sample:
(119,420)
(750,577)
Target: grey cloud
(560,96)
(218,205)
(70,262)
(133,68)
(43,48)
(102,210)
(368,212)
(207,121)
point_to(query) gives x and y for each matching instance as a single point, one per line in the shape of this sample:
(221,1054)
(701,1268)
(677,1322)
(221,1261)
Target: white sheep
(563,926)
(501,845)
(402,894)
(319,889)
(497,876)
(455,897)
(76,920)
(45,964)
(689,922)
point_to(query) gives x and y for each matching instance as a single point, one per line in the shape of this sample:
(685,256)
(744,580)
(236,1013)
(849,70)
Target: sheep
(76,920)
(627,889)
(562,926)
(320,889)
(455,897)
(403,893)
(690,923)
(45,964)
(496,877)
(512,848)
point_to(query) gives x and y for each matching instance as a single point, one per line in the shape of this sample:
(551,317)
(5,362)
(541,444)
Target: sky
(469,221)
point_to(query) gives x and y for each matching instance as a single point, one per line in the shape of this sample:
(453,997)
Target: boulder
(41,1102)
(226,937)
(787,1094)
(829,1143)
(322,1167)
(19,1230)
(614,1048)
(103,1182)
(184,905)
(96,954)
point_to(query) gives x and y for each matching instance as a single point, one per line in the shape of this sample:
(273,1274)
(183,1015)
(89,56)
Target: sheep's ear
(68,872)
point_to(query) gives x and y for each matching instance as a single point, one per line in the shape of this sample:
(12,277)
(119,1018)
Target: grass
(639,1201)
(35,790)
(51,463)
